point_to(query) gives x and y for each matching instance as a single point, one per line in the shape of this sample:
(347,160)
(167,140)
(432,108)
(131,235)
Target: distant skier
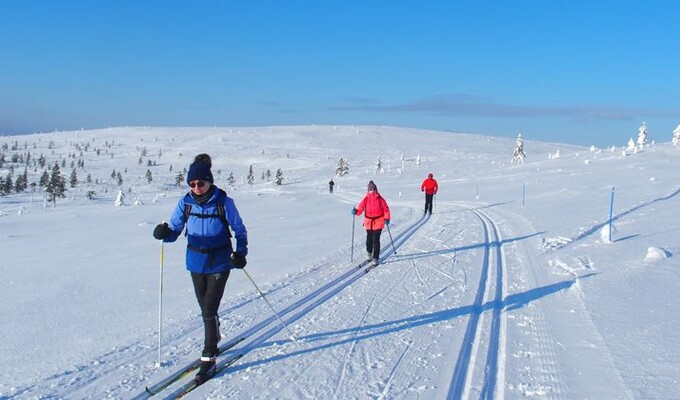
(330,186)
(376,217)
(430,187)
(207,212)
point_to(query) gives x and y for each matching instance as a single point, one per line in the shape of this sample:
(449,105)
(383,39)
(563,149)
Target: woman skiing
(376,217)
(207,212)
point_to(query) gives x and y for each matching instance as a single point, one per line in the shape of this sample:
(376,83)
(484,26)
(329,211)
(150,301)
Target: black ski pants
(373,242)
(428,202)
(209,290)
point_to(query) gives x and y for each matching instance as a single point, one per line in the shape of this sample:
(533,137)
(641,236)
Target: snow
(509,290)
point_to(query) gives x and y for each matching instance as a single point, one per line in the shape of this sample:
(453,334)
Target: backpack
(221,214)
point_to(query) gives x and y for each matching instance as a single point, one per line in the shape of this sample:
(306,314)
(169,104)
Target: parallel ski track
(493,375)
(240,345)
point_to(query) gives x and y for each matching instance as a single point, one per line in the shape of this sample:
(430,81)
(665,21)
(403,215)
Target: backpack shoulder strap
(221,210)
(187,212)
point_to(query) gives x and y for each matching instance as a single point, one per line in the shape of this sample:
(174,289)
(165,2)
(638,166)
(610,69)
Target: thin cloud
(464,105)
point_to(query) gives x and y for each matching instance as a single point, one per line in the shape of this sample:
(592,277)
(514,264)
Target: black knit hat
(372,186)
(199,170)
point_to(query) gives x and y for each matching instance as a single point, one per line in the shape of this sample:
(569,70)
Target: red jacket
(376,209)
(429,186)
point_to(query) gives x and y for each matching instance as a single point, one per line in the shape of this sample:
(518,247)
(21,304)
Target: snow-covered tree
(642,135)
(278,179)
(21,183)
(518,155)
(179,178)
(120,199)
(73,179)
(251,175)
(231,180)
(149,176)
(44,179)
(378,166)
(342,168)
(676,136)
(6,185)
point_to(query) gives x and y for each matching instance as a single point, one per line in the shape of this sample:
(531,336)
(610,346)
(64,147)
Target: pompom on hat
(199,170)
(372,186)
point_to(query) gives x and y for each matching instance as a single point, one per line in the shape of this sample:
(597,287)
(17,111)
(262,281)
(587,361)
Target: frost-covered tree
(21,183)
(91,195)
(149,177)
(73,179)
(179,178)
(6,185)
(342,168)
(676,136)
(378,166)
(518,155)
(642,135)
(44,179)
(231,180)
(278,179)
(251,175)
(120,199)
(56,186)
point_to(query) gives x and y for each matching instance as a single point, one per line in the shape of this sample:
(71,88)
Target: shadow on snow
(511,302)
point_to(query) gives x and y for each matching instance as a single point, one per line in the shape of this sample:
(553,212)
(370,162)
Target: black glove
(162,231)
(238,260)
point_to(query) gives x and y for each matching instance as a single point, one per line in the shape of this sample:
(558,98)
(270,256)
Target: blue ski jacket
(209,245)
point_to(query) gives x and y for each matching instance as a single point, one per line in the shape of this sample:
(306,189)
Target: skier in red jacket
(376,217)
(430,188)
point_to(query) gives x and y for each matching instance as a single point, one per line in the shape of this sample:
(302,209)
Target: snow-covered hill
(511,289)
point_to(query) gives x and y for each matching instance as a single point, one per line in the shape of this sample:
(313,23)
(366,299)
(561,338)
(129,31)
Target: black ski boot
(207,369)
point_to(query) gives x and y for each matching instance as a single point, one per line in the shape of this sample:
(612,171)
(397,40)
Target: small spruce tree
(56,187)
(251,175)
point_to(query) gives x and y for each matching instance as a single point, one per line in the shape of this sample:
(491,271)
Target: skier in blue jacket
(208,213)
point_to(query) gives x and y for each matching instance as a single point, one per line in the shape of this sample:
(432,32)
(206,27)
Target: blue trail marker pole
(611,213)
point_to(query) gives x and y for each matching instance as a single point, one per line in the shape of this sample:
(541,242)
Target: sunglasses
(200,184)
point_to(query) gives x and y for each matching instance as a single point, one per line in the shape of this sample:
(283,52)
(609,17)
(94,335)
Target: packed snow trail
(305,304)
(396,330)
(490,295)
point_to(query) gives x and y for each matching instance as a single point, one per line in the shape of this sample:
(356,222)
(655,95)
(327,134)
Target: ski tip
(146,388)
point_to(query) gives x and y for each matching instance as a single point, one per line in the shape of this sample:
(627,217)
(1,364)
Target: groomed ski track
(431,254)
(433,312)
(258,334)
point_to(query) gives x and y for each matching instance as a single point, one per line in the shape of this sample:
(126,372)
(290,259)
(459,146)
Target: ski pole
(391,240)
(292,337)
(351,257)
(160,308)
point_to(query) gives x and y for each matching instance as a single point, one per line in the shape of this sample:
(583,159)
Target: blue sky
(582,72)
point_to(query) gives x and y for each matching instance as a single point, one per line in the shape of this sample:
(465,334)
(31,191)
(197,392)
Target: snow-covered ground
(511,289)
